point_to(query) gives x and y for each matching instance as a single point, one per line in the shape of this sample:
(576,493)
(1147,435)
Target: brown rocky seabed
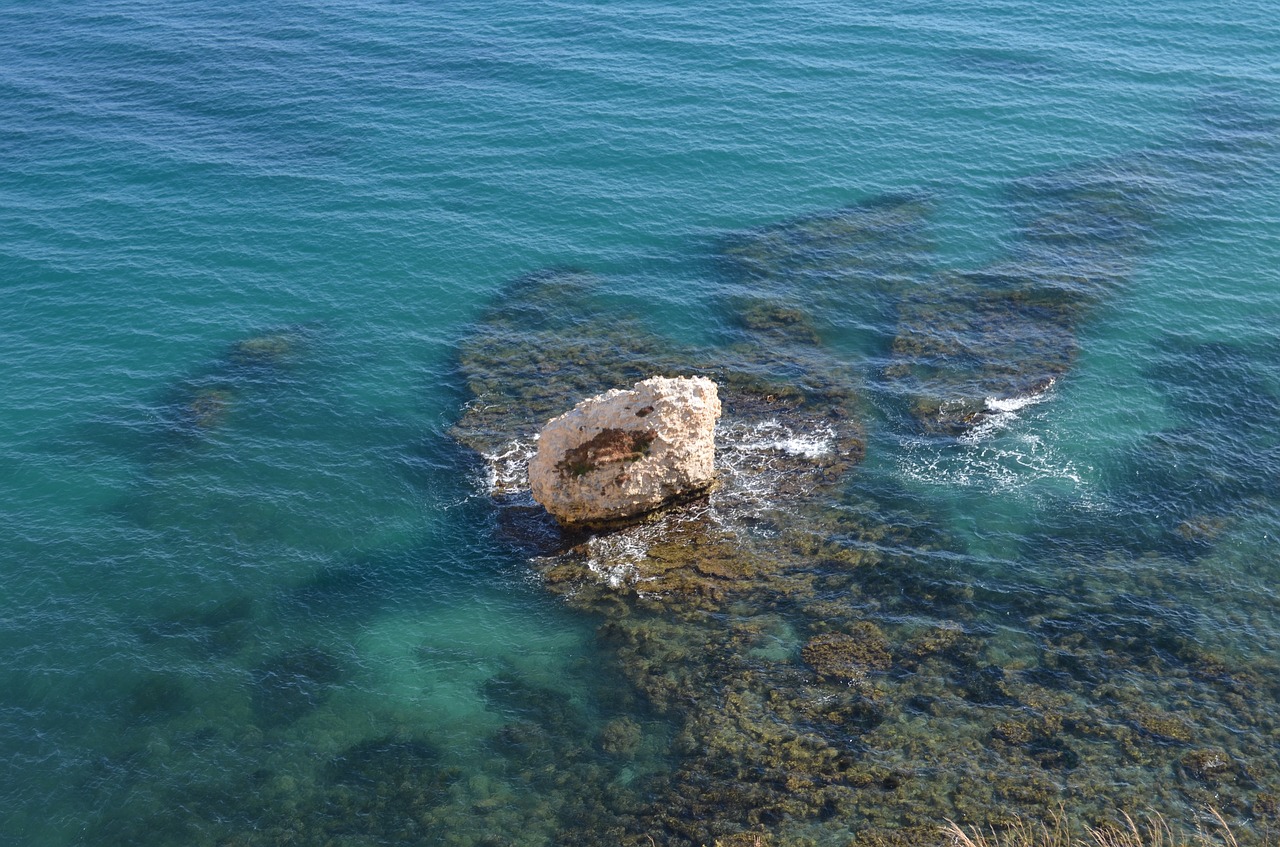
(828,679)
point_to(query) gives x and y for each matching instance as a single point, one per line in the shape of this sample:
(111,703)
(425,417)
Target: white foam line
(1010,465)
(507,471)
(1006,409)
(774,436)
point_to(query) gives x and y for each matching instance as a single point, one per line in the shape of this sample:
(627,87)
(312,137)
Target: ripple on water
(251,597)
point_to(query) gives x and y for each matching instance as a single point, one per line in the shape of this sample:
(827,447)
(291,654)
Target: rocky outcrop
(624,453)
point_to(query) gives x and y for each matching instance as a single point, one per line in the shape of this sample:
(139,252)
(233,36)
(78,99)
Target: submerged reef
(967,342)
(288,686)
(246,371)
(803,656)
(962,346)
(827,675)
(814,703)
(1222,449)
(832,261)
(959,344)
(532,329)
(522,374)
(1008,332)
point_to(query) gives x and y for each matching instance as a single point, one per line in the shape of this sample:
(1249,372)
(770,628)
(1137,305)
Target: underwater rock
(1207,765)
(242,377)
(160,696)
(290,685)
(776,322)
(207,409)
(621,737)
(983,345)
(973,346)
(815,662)
(385,760)
(1189,481)
(548,340)
(743,839)
(848,656)
(386,790)
(831,260)
(624,453)
(217,630)
(1164,726)
(269,350)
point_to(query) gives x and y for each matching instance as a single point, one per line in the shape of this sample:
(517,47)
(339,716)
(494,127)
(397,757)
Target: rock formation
(624,453)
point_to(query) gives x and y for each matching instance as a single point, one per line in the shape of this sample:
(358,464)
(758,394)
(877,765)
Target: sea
(991,291)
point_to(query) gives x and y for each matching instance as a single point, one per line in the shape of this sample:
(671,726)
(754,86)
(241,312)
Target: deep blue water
(242,246)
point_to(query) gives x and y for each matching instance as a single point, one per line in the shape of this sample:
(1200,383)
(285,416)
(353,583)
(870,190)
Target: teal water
(256,591)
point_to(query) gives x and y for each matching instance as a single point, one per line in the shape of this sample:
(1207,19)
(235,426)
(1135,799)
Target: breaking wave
(773,436)
(1004,411)
(507,470)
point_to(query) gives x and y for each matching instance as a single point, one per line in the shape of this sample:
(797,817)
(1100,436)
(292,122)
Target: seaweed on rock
(904,725)
(387,790)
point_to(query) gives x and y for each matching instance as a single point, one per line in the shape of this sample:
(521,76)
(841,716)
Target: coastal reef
(811,653)
(969,343)
(815,704)
(958,344)
(827,676)
(550,341)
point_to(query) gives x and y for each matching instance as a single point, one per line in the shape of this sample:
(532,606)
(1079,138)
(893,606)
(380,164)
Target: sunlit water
(253,586)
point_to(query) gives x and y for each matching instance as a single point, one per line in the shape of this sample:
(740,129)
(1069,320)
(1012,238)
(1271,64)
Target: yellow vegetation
(1154,831)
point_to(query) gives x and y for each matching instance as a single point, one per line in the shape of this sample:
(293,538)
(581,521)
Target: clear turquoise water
(362,179)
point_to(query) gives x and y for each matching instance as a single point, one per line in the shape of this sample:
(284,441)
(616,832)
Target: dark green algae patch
(827,676)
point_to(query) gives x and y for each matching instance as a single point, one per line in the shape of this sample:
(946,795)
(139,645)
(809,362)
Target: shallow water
(284,285)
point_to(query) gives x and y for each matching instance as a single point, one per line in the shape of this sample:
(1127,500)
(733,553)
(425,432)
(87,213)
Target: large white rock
(623,453)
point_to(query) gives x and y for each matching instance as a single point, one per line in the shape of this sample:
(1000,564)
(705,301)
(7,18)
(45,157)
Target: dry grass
(1154,831)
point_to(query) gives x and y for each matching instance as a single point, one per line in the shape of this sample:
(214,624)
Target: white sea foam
(1021,462)
(754,459)
(507,470)
(775,436)
(616,558)
(1006,412)
(990,425)
(995,460)
(1013,404)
